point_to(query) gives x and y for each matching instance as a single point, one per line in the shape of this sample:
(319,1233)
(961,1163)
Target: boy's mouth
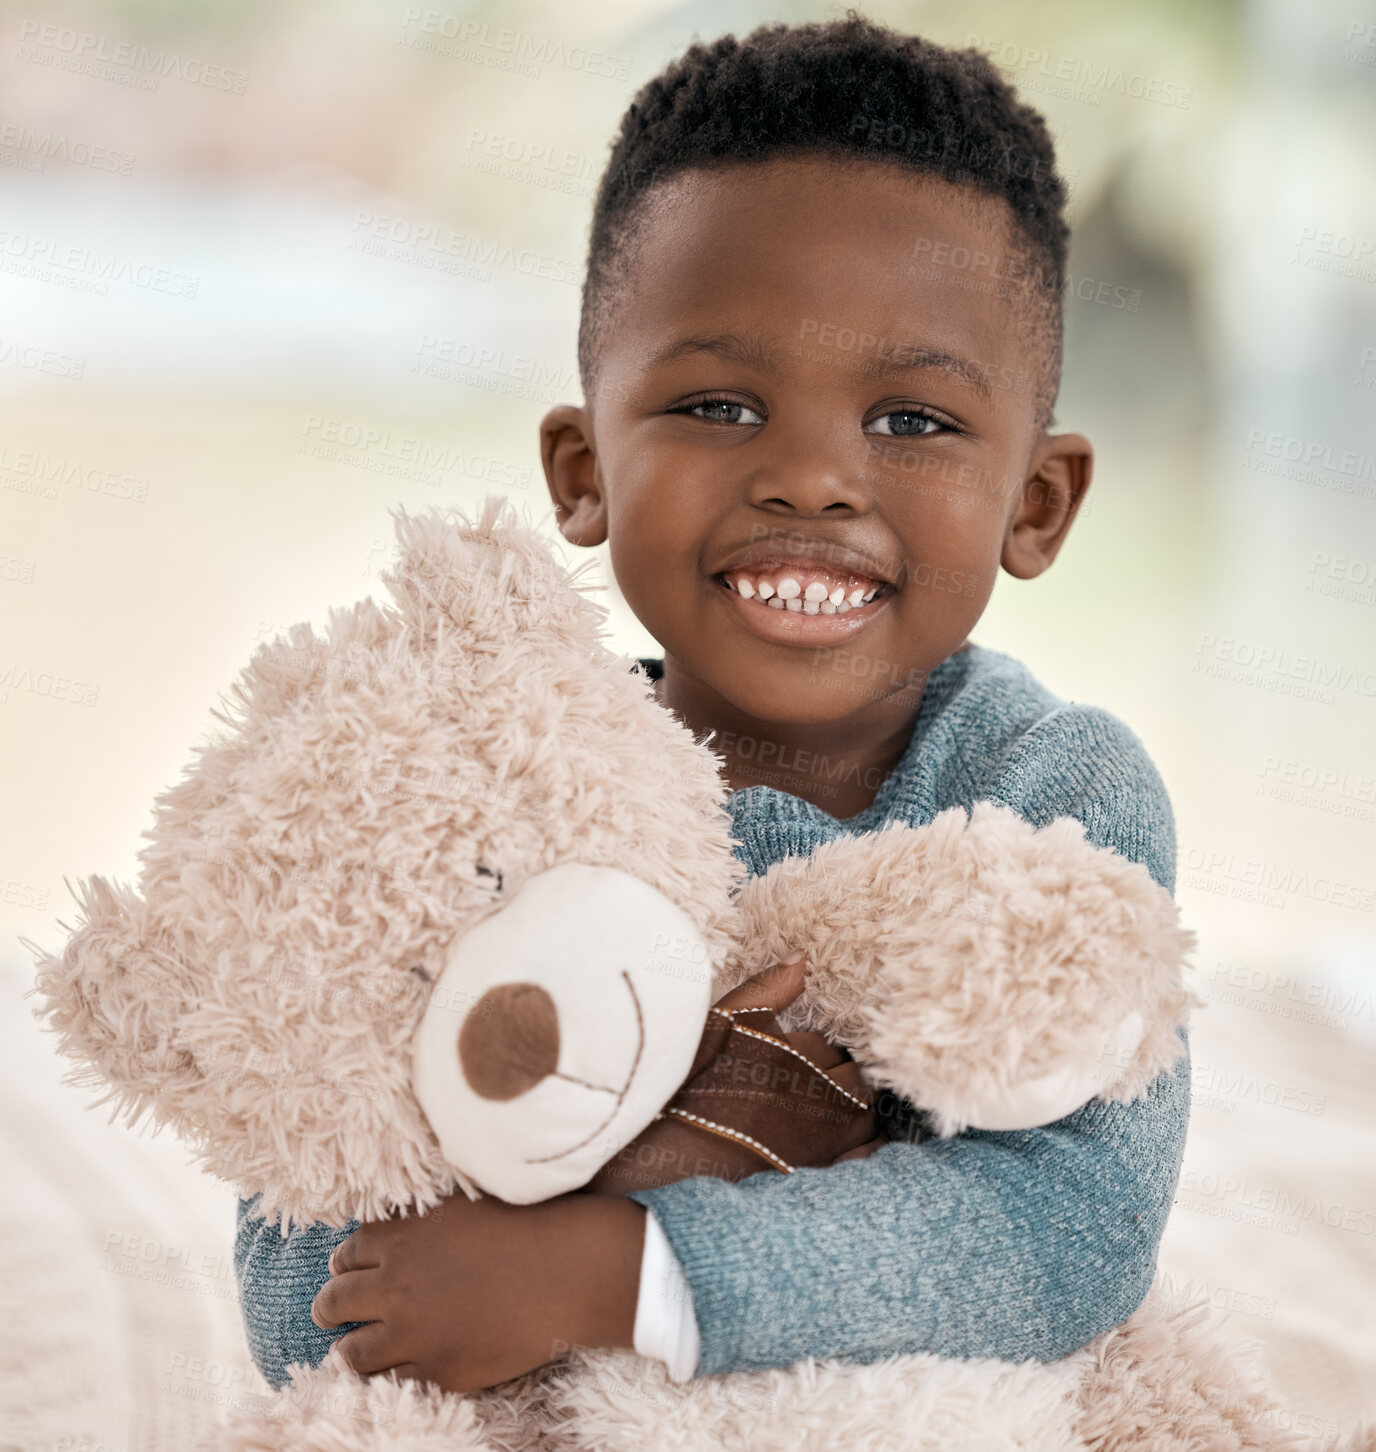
(804,590)
(802,605)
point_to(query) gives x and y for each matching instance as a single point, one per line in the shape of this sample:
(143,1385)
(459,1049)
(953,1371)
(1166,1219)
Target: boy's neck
(838,766)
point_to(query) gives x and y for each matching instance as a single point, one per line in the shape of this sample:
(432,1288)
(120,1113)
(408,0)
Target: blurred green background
(235,237)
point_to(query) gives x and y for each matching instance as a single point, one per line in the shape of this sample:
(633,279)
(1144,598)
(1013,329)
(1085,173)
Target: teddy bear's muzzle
(558,1028)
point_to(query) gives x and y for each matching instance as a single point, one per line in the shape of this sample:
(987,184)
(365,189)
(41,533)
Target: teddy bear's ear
(114,997)
(493,577)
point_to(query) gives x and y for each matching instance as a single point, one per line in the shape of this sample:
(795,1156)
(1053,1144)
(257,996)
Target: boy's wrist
(601,1259)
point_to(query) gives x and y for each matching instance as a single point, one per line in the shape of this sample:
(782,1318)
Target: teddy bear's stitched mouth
(620,1093)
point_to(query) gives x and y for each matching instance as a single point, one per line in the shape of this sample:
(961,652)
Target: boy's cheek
(943,579)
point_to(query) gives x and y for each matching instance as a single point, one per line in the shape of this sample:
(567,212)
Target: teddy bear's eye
(416,968)
(488,872)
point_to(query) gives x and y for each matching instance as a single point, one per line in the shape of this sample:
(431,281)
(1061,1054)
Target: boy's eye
(912,423)
(904,423)
(720,410)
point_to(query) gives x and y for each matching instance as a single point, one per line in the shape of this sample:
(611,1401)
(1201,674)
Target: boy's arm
(1011,1245)
(278,1279)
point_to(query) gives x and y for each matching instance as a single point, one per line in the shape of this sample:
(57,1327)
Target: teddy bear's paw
(330,1409)
(618,1402)
(991,973)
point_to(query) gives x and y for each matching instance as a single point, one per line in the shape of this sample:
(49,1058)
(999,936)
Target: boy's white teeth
(819,596)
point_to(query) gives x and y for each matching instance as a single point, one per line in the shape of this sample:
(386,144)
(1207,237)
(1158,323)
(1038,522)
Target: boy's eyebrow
(898,358)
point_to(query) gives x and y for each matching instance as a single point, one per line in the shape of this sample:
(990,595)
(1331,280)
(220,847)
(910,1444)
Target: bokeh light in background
(268,270)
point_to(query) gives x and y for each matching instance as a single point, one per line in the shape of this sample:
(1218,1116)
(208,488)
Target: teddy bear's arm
(992,974)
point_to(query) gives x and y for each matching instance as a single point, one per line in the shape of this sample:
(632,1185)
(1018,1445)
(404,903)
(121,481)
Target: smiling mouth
(798,594)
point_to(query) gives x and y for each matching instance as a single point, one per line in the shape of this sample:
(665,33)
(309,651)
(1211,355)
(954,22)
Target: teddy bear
(336,981)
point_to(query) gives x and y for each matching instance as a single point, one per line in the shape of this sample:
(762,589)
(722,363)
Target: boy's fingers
(858,1134)
(367,1350)
(849,1076)
(357,1252)
(409,1371)
(820,1050)
(774,987)
(860,1128)
(352,1296)
(863,1151)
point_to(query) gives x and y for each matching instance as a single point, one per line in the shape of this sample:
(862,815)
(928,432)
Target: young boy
(820,346)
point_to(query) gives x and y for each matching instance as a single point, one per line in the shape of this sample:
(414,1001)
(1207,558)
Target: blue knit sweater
(1009,1244)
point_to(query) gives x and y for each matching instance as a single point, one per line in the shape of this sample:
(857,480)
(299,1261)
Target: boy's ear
(569,455)
(1057,481)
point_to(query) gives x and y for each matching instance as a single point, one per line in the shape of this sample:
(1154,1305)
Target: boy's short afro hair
(848,86)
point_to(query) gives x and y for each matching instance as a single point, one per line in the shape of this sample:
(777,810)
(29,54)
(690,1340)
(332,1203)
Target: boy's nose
(509,1041)
(811,491)
(816,467)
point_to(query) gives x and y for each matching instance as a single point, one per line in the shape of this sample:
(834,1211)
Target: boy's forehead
(830,191)
(789,249)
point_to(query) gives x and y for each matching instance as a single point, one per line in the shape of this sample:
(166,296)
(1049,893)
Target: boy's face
(792,392)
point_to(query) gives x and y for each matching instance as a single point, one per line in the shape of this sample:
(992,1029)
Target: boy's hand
(478,1291)
(780,1100)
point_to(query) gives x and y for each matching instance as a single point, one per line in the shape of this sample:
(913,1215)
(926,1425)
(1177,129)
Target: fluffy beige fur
(258,991)
(1063,938)
(260,987)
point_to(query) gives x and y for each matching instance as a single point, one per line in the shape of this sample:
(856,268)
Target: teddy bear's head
(449,881)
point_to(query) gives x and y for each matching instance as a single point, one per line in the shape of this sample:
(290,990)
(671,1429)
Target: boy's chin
(817,691)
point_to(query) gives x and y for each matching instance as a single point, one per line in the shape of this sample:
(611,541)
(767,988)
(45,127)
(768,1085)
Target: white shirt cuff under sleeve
(666,1326)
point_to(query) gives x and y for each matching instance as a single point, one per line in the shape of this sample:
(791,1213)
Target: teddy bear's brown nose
(509,1041)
